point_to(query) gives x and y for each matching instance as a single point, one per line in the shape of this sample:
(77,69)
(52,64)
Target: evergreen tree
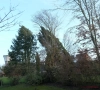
(58,62)
(23,47)
(55,50)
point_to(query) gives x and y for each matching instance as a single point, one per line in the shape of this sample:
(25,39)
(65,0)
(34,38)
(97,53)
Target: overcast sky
(29,8)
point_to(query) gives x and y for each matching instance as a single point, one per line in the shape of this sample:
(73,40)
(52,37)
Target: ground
(43,87)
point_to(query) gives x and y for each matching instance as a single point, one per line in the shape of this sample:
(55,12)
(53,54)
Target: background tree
(48,21)
(42,54)
(68,43)
(8,19)
(87,12)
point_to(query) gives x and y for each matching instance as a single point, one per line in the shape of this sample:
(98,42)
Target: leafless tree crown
(8,19)
(47,20)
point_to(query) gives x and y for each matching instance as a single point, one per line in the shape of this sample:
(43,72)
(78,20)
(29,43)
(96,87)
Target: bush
(49,75)
(33,79)
(15,81)
(9,81)
(22,79)
(6,80)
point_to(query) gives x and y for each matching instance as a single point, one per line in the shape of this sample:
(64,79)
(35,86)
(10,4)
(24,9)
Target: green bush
(6,80)
(22,79)
(34,78)
(15,81)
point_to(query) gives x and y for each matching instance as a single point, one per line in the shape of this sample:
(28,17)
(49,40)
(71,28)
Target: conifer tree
(23,46)
(58,62)
(55,50)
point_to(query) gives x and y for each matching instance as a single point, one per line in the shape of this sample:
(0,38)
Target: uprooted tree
(58,60)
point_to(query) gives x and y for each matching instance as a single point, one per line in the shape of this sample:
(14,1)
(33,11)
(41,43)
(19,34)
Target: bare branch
(88,13)
(68,43)
(47,20)
(8,19)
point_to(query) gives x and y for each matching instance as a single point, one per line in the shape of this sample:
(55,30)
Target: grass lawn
(41,87)
(6,80)
(23,87)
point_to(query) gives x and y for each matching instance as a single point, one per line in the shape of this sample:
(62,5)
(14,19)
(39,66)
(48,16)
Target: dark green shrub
(49,75)
(22,79)
(15,81)
(34,78)
(6,81)
(48,78)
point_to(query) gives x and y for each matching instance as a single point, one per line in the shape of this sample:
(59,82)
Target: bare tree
(68,43)
(87,12)
(47,20)
(42,54)
(9,18)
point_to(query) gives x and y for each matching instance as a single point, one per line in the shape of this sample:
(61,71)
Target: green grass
(22,79)
(23,87)
(40,87)
(6,80)
(7,85)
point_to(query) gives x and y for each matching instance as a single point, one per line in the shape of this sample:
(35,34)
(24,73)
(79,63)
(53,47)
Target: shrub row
(30,79)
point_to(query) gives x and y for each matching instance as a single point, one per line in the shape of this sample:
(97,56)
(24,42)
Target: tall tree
(46,38)
(57,56)
(23,48)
